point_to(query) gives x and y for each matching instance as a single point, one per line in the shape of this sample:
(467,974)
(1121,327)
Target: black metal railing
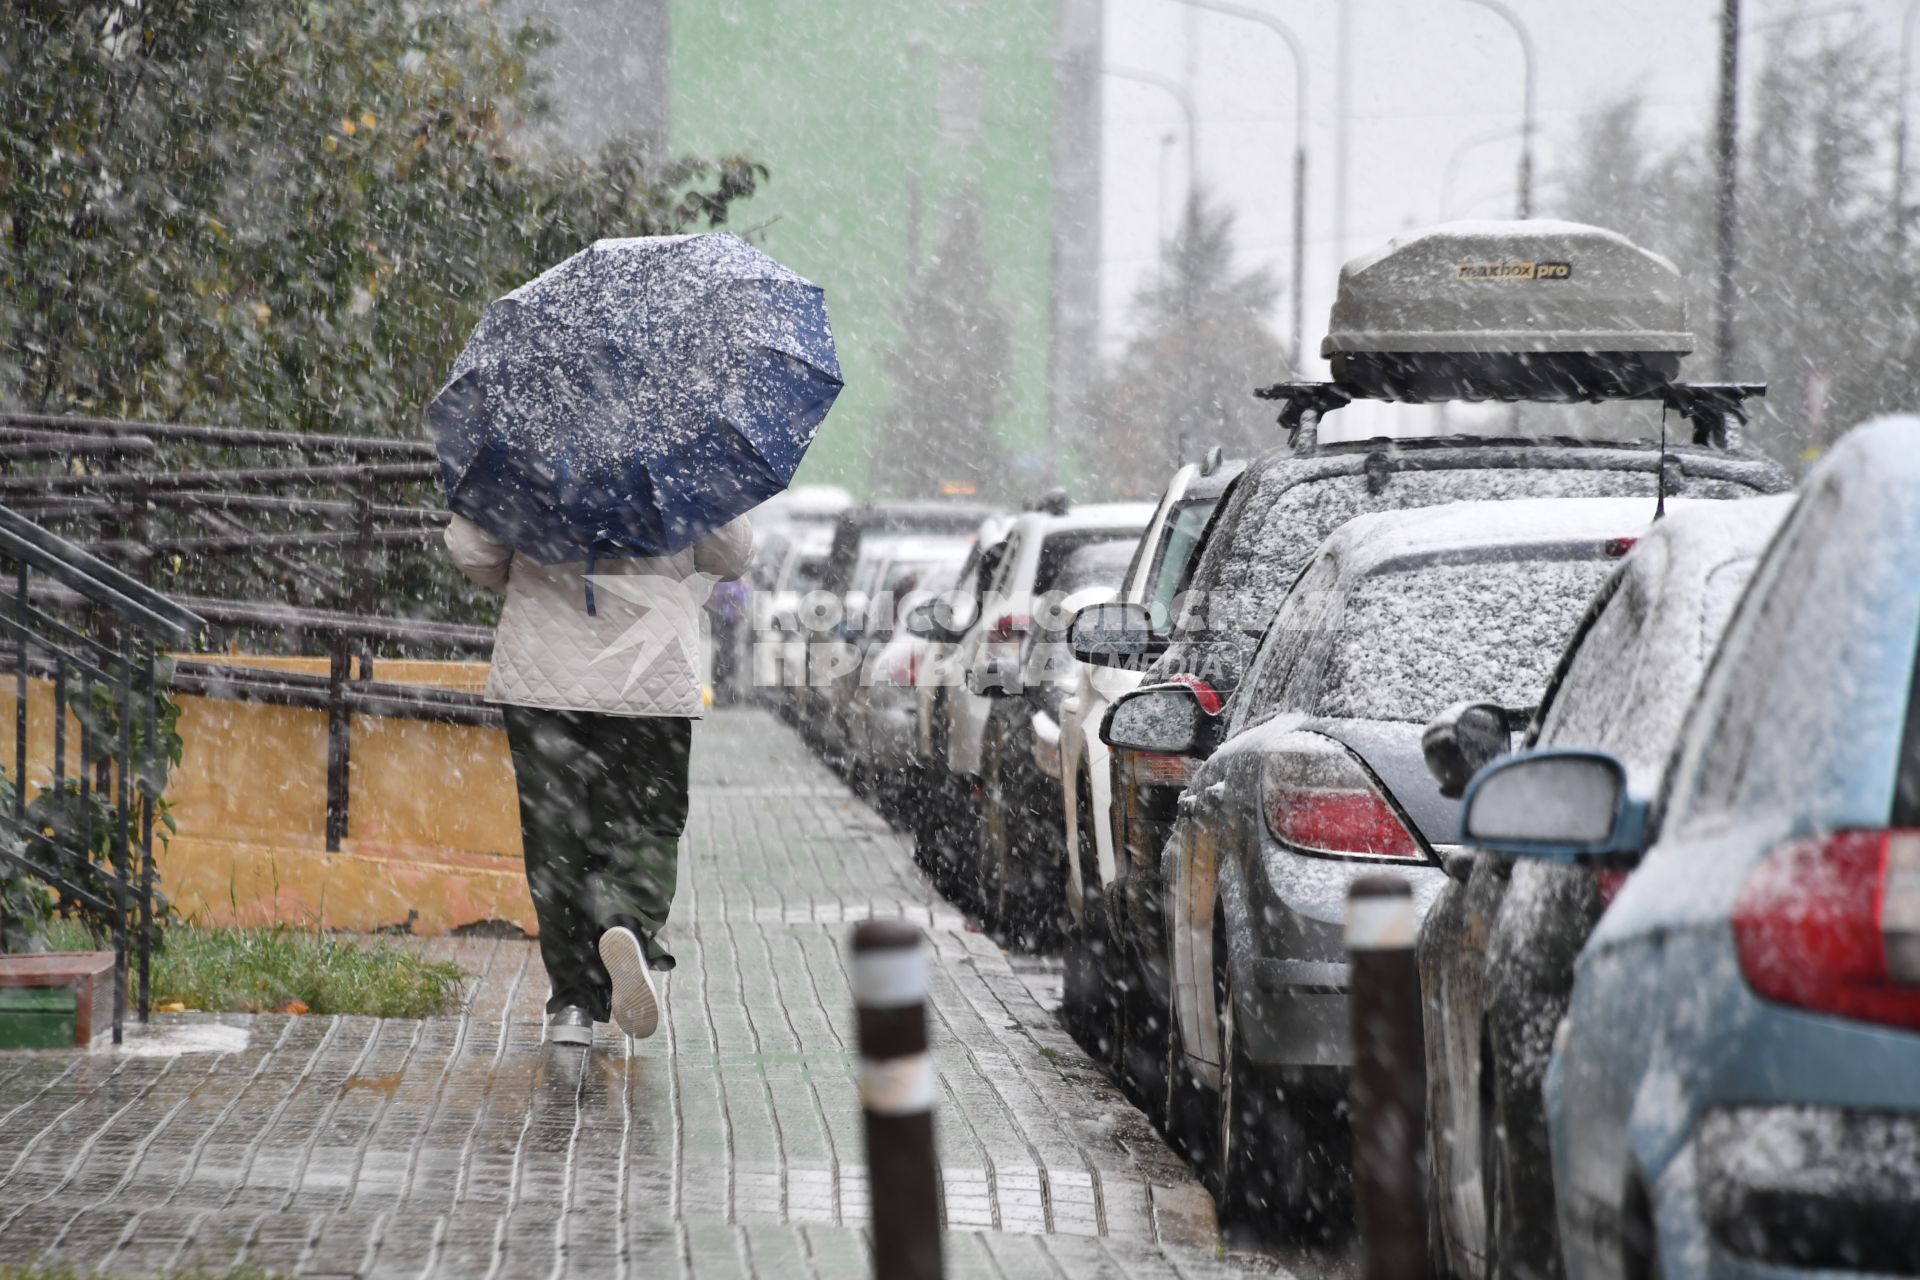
(82,815)
(300,543)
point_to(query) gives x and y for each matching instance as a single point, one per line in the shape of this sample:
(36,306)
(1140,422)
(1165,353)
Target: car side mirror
(1463,739)
(1166,719)
(1558,806)
(1117,633)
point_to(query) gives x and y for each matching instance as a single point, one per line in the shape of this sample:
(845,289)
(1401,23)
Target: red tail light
(1318,799)
(1008,627)
(1610,880)
(1617,547)
(1832,924)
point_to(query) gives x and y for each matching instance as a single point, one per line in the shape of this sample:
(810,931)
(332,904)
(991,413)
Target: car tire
(1493,1175)
(1188,1107)
(1002,874)
(1270,1164)
(1091,999)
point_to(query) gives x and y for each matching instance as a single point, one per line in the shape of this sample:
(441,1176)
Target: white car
(988,657)
(1167,550)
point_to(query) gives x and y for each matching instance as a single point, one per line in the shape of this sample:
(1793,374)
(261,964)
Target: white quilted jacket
(640,653)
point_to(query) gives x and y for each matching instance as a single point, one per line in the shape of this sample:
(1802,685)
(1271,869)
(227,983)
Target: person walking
(596,668)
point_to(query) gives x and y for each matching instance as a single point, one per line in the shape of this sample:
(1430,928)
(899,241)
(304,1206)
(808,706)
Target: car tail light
(1203,693)
(1320,800)
(1610,880)
(1008,628)
(903,669)
(1154,770)
(1832,924)
(1617,547)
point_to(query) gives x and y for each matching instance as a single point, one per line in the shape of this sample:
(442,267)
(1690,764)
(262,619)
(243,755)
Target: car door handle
(1184,806)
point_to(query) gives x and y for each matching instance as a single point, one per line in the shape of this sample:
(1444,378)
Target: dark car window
(1757,647)
(1306,617)
(1587,703)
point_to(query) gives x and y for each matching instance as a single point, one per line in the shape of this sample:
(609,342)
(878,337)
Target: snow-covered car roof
(1367,543)
(1095,515)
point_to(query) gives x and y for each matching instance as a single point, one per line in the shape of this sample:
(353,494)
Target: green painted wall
(842,100)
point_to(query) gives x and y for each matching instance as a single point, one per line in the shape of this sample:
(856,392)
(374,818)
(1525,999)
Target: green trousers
(603,800)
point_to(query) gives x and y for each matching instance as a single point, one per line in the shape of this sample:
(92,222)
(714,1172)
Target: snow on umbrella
(634,397)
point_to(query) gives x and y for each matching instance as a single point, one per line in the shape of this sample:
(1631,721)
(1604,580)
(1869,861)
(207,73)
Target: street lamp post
(1298,52)
(1529,102)
(1179,94)
(1726,143)
(1900,130)
(1460,153)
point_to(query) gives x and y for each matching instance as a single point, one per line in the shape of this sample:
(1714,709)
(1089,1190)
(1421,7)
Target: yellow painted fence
(433,842)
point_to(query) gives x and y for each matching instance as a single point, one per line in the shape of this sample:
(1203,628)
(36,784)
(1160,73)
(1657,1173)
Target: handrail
(360,446)
(92,578)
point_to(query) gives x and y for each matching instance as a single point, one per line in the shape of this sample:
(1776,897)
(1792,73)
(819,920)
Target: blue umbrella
(634,397)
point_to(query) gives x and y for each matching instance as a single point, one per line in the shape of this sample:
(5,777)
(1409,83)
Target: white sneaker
(635,1006)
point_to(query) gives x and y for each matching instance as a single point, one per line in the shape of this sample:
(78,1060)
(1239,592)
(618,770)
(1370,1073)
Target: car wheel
(1271,1165)
(1002,875)
(1089,948)
(1188,1105)
(1493,1176)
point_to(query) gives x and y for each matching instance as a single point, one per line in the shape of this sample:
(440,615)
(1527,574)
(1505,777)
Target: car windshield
(1412,642)
(1183,540)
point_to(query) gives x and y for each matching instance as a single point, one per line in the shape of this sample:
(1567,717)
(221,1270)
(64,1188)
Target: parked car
(1735,1090)
(1023,857)
(1496,950)
(1279,512)
(1321,779)
(1161,561)
(783,584)
(889,567)
(986,659)
(826,654)
(881,710)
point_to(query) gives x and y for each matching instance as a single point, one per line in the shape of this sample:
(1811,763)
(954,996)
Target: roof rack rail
(1716,409)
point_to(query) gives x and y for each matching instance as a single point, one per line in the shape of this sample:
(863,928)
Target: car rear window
(1059,548)
(1248,567)
(1415,641)
(1099,564)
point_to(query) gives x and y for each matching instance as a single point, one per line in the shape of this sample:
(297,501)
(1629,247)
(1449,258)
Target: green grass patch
(271,968)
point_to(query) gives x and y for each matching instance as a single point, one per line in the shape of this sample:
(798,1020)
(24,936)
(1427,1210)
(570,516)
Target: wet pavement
(729,1144)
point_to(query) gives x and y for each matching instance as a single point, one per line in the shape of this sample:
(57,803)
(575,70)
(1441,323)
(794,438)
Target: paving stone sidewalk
(729,1144)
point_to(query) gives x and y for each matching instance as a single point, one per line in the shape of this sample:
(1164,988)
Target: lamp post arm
(1529,101)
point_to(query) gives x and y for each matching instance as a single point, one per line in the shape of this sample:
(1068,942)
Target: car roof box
(1534,310)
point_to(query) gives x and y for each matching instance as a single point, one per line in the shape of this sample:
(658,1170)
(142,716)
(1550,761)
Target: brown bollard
(896,1091)
(1389,1080)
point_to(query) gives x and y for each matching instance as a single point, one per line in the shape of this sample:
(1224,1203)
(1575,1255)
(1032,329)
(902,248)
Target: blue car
(1735,1091)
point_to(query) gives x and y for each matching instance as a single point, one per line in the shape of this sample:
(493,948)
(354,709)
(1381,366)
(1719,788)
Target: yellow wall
(433,820)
